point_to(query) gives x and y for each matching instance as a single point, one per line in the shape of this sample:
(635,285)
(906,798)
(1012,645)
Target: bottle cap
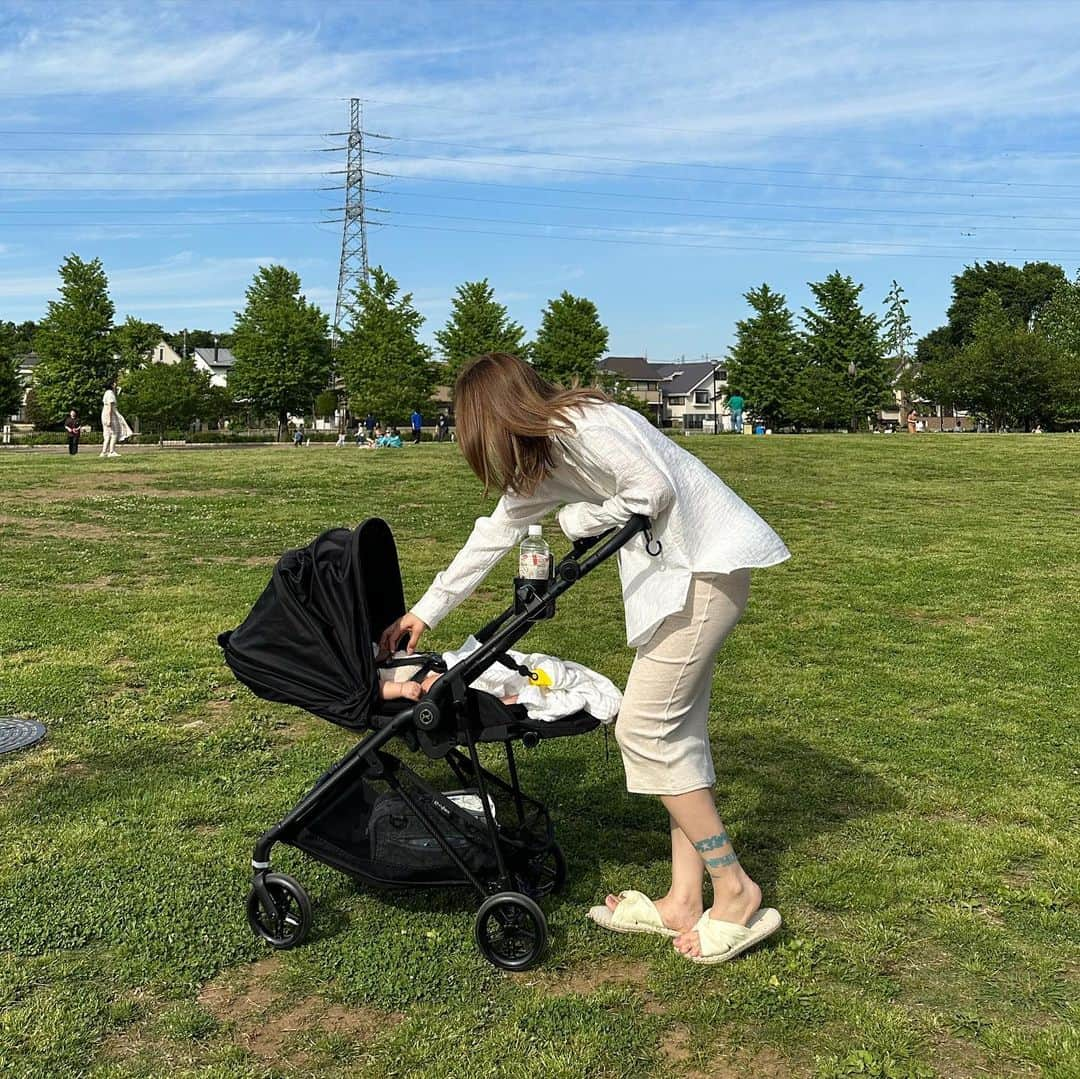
(535,530)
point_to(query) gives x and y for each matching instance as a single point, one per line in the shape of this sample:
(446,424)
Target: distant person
(340,438)
(114,427)
(735,403)
(370,423)
(73,426)
(1038,429)
(442,426)
(417,426)
(912,421)
(298,434)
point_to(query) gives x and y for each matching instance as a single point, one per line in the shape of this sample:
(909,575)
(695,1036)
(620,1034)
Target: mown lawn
(895,729)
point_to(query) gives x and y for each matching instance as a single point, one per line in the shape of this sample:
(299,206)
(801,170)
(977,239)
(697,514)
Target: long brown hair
(506,414)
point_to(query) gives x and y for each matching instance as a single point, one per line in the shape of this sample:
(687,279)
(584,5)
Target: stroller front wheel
(511,931)
(289,923)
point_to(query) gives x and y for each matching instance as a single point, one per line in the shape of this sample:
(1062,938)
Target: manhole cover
(19,733)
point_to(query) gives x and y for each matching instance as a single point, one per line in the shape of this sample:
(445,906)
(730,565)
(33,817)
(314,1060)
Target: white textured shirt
(612,465)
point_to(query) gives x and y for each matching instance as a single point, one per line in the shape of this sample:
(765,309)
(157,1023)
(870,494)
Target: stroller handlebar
(503,632)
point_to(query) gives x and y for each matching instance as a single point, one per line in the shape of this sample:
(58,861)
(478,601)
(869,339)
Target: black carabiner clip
(650,543)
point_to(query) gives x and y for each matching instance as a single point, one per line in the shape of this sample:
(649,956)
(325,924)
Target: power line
(162,149)
(644,243)
(727,183)
(705,201)
(753,236)
(726,168)
(729,217)
(726,133)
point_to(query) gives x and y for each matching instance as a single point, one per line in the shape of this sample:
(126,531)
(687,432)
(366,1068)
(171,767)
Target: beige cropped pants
(662,729)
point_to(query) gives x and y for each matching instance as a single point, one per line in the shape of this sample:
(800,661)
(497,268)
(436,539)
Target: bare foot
(737,904)
(679,916)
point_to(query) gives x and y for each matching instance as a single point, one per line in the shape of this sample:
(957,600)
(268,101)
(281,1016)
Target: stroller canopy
(308,639)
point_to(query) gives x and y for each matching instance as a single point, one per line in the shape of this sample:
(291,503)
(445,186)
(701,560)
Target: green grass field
(895,726)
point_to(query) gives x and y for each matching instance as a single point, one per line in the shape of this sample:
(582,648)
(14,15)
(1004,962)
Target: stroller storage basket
(403,848)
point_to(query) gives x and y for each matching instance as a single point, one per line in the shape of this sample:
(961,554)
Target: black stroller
(308,642)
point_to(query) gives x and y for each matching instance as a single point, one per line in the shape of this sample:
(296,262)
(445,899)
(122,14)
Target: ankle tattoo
(713,842)
(724,860)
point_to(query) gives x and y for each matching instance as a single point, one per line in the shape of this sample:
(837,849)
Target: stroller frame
(511,929)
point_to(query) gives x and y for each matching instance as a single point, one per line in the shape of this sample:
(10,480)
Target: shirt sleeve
(490,539)
(640,487)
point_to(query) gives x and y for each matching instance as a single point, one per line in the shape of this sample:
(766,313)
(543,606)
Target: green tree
(844,375)
(326,404)
(764,361)
(386,368)
(75,342)
(570,341)
(477,324)
(12,345)
(896,340)
(1005,372)
(17,338)
(135,340)
(1021,290)
(168,396)
(281,346)
(197,339)
(1059,322)
(11,390)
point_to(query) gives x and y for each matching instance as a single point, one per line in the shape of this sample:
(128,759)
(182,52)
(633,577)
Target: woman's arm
(640,487)
(491,538)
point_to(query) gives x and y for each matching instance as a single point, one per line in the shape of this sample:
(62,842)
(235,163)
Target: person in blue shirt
(417,424)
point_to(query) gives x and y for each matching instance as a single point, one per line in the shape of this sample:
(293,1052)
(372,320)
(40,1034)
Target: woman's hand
(406,624)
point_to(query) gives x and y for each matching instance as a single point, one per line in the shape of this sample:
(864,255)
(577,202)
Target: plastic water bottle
(534,556)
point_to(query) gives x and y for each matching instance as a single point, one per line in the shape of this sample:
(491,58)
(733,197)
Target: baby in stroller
(547,687)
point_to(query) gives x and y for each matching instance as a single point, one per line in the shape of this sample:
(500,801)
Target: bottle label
(533,565)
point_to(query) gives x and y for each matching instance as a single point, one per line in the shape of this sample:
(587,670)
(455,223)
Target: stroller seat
(308,642)
(501,722)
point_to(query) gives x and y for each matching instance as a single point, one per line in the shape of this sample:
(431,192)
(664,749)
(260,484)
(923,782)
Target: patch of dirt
(70,530)
(246,1001)
(764,1064)
(234,560)
(961,1059)
(584,980)
(675,1046)
(99,584)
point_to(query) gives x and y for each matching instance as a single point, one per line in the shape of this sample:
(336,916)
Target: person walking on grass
(417,426)
(114,427)
(542,447)
(73,426)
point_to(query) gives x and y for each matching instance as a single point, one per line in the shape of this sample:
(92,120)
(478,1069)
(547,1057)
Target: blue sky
(658,158)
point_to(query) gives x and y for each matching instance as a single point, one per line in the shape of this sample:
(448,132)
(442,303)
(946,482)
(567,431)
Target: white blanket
(560,688)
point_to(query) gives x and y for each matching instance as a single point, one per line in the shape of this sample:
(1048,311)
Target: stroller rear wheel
(545,874)
(511,931)
(289,922)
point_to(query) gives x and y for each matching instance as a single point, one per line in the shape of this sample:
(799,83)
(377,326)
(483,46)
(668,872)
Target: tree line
(284,360)
(1009,352)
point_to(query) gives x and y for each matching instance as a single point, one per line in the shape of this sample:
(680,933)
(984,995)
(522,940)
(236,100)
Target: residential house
(637,376)
(694,394)
(689,396)
(216,362)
